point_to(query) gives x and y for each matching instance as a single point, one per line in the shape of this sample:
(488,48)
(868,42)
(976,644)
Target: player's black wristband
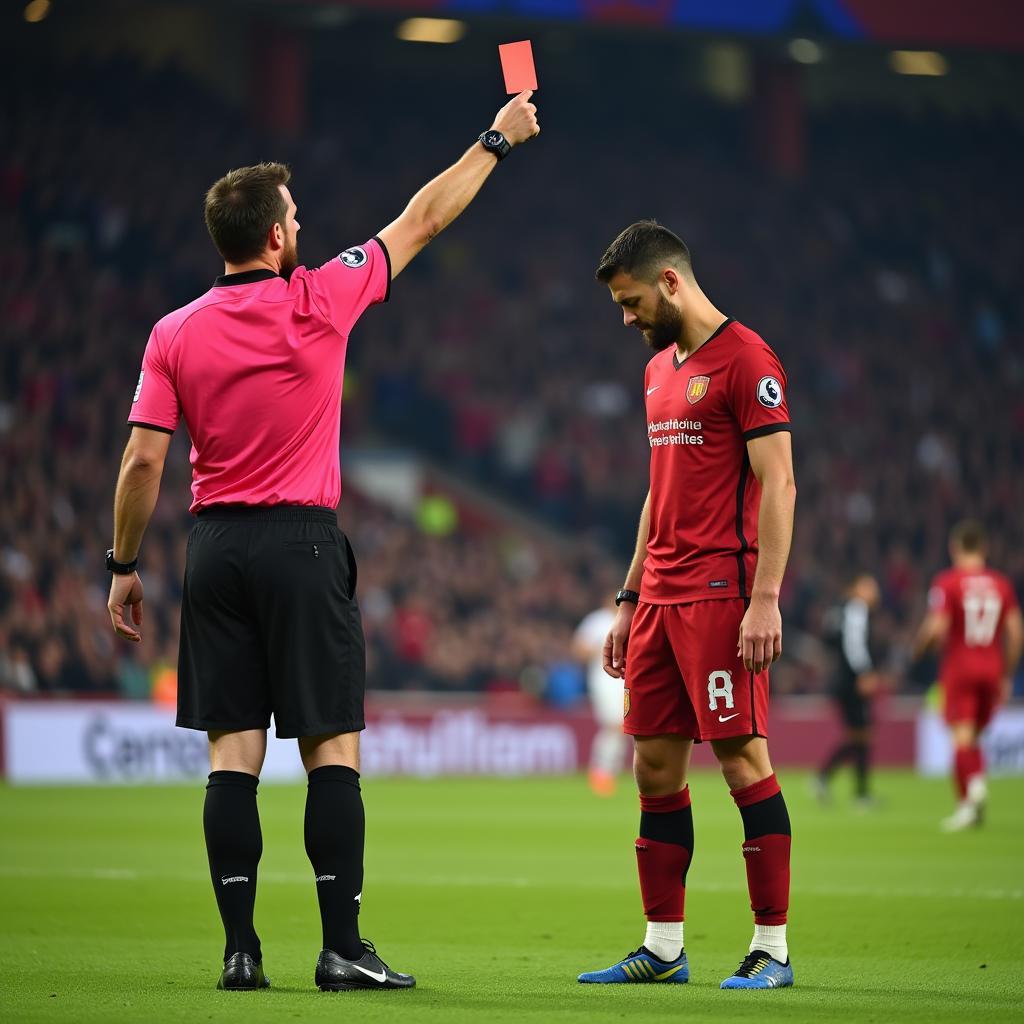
(627,595)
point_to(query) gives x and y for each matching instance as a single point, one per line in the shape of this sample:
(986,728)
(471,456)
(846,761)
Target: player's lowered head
(649,274)
(968,545)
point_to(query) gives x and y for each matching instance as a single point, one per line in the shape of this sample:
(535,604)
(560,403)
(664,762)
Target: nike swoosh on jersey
(651,391)
(371,974)
(728,718)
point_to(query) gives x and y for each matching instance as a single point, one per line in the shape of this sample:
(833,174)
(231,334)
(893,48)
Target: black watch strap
(120,568)
(627,595)
(494,142)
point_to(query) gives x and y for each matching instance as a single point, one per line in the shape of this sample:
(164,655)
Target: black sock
(839,755)
(234,844)
(334,844)
(861,754)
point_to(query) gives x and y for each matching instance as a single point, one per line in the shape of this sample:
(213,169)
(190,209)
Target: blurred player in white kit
(608,753)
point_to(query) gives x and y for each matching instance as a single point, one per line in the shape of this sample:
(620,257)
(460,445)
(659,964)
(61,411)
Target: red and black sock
(766,846)
(967,762)
(234,845)
(663,853)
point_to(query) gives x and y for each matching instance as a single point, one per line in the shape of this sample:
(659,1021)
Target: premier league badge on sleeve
(769,392)
(354,257)
(138,387)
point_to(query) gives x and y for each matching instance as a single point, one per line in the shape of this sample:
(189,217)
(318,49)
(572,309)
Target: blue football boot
(639,968)
(759,970)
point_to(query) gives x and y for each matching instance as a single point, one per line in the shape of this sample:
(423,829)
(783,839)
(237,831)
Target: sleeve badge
(769,392)
(354,257)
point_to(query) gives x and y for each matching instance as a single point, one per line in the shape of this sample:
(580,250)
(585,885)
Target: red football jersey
(704,498)
(977,602)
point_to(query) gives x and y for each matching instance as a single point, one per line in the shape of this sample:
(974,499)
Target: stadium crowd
(891,300)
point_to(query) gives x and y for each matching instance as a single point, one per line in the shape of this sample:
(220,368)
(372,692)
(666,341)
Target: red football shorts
(968,699)
(683,675)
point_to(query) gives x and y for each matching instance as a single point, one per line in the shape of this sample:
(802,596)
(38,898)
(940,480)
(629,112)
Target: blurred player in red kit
(973,615)
(698,621)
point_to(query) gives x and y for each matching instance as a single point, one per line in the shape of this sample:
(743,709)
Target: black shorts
(854,709)
(270,624)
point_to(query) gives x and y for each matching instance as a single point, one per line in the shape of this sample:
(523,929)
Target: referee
(854,683)
(269,621)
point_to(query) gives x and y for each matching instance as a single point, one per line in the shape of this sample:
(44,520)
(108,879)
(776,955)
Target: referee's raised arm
(440,201)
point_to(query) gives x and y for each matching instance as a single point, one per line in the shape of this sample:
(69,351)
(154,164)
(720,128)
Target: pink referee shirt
(255,367)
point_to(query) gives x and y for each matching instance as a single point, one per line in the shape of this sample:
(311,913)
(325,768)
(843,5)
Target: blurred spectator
(893,303)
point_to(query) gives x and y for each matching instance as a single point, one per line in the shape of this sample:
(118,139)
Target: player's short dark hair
(642,251)
(968,536)
(243,206)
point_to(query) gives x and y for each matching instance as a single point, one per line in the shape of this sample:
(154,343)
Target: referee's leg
(222,691)
(234,845)
(302,585)
(334,832)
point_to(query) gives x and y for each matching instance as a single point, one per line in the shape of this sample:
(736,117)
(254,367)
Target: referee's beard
(289,258)
(666,328)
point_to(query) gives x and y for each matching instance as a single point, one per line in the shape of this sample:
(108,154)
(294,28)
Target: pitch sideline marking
(448,881)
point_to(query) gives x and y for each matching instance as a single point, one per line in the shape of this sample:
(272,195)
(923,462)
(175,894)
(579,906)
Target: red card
(517,66)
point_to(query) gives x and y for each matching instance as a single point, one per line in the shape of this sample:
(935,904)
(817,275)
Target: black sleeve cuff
(150,426)
(387,259)
(768,428)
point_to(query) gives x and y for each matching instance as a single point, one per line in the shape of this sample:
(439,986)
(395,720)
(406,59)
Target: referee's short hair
(243,206)
(642,251)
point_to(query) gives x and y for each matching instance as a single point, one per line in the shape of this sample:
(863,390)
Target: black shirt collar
(718,330)
(245,277)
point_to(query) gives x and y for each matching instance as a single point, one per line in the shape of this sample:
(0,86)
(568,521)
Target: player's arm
(771,460)
(1013,647)
(440,201)
(618,635)
(931,633)
(138,485)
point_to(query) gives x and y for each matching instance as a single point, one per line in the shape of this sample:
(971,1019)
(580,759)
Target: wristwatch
(494,142)
(120,568)
(627,595)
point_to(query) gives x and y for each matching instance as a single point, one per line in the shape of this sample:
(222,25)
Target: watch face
(494,138)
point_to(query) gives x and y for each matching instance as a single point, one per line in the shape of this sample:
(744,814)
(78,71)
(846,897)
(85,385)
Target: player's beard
(290,258)
(667,326)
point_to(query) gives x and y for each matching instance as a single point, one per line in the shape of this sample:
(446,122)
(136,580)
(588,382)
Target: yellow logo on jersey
(625,702)
(696,389)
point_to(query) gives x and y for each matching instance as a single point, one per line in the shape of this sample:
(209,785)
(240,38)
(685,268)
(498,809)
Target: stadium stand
(500,358)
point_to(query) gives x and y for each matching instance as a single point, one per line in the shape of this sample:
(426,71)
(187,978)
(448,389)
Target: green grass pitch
(496,894)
